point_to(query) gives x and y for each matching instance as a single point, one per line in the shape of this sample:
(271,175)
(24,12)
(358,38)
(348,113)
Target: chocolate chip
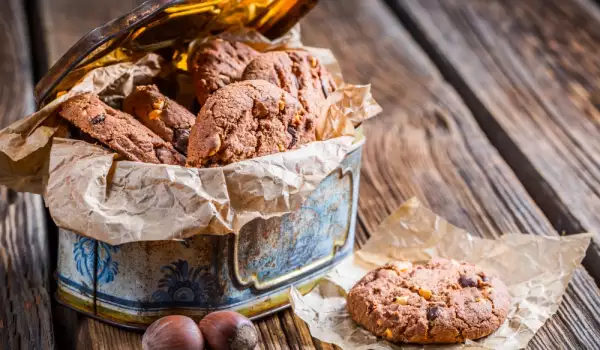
(433,313)
(180,138)
(466,281)
(292,132)
(98,119)
(309,123)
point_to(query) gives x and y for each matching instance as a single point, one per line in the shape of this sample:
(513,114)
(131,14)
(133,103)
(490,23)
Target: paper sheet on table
(90,191)
(536,270)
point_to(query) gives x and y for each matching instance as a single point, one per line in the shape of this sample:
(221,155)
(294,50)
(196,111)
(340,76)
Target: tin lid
(162,24)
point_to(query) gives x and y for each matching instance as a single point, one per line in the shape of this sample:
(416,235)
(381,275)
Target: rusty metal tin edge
(94,39)
(141,329)
(315,277)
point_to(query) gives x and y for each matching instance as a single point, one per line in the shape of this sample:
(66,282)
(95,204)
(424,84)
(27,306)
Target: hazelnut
(215,144)
(403,300)
(281,105)
(388,333)
(425,293)
(228,330)
(297,119)
(281,147)
(158,104)
(482,283)
(155,114)
(173,332)
(401,266)
(313,61)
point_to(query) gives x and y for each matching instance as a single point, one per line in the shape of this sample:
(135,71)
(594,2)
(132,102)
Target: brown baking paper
(536,270)
(91,191)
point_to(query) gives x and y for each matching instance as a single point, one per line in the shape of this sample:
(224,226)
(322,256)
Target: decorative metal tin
(135,283)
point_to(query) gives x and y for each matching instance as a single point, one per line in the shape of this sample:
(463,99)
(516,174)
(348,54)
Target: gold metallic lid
(163,24)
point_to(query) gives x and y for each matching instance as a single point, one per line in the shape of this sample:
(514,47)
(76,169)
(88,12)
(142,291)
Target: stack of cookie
(252,104)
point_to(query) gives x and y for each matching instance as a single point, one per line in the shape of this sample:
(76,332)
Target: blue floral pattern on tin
(84,253)
(184,284)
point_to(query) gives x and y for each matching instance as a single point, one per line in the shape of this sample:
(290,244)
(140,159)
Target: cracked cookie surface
(118,130)
(218,63)
(444,301)
(245,120)
(169,120)
(296,71)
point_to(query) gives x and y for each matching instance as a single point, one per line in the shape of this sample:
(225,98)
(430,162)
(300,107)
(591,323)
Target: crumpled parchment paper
(91,191)
(536,270)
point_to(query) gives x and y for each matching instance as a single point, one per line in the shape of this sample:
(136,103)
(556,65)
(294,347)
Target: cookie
(443,301)
(169,120)
(118,130)
(245,120)
(217,63)
(298,72)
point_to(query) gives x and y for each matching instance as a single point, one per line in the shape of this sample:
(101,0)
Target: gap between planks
(541,123)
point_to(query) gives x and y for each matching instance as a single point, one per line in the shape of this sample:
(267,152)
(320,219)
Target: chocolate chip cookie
(217,63)
(118,130)
(245,120)
(443,301)
(169,120)
(297,72)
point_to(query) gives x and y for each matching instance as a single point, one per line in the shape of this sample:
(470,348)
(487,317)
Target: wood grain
(25,311)
(530,70)
(426,143)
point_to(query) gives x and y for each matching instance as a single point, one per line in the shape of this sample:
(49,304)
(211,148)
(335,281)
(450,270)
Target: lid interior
(159,24)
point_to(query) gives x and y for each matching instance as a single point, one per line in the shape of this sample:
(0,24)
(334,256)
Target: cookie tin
(133,284)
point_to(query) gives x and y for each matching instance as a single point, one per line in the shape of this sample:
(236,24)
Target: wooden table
(491,117)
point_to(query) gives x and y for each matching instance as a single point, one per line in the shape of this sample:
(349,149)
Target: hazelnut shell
(225,330)
(173,332)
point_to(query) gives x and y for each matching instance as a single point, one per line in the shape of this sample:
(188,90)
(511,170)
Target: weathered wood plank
(530,70)
(25,311)
(427,144)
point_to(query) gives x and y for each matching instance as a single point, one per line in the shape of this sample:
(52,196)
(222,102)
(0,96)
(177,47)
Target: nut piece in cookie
(443,301)
(169,120)
(297,72)
(217,63)
(118,130)
(245,120)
